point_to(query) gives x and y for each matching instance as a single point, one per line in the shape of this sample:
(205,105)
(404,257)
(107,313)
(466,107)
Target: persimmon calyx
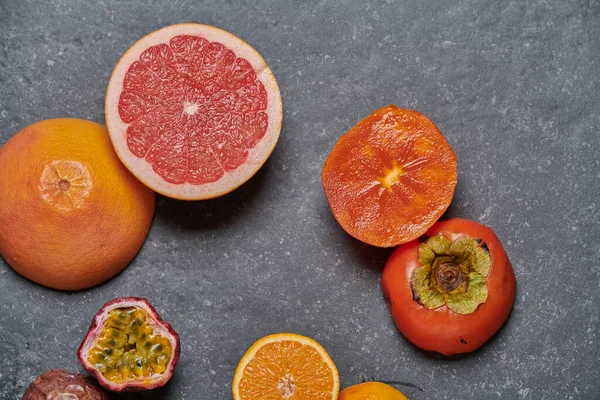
(452,273)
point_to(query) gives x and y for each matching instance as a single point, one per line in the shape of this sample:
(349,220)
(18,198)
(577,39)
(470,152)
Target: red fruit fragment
(129,347)
(59,384)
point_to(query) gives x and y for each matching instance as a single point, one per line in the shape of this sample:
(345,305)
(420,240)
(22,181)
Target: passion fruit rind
(104,321)
(58,383)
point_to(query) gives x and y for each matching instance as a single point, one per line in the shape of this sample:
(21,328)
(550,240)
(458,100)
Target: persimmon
(452,290)
(391,177)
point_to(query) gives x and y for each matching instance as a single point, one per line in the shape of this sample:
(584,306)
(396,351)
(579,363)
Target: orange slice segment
(391,177)
(286,366)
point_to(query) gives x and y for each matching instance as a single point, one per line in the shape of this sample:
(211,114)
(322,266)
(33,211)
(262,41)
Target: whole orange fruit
(371,391)
(71,215)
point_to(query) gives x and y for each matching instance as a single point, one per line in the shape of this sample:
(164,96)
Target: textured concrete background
(514,87)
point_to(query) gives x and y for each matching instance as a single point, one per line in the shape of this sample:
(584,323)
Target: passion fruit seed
(452,273)
(127,347)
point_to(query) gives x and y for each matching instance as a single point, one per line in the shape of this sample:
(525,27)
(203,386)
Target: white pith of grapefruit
(257,152)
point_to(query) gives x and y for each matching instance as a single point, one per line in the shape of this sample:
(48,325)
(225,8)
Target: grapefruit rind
(143,170)
(76,236)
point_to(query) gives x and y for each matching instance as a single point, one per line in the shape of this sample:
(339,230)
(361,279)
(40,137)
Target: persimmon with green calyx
(391,177)
(453,289)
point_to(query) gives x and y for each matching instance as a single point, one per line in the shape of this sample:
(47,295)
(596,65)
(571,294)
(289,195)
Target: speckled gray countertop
(513,85)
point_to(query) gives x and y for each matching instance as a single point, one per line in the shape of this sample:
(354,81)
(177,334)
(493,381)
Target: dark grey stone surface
(512,84)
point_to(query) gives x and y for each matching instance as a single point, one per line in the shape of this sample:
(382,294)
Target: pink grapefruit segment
(193,111)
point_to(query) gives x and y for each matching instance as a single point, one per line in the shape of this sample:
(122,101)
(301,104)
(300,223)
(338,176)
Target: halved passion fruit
(129,347)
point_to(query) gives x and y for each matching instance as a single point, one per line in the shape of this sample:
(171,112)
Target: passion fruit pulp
(59,384)
(129,347)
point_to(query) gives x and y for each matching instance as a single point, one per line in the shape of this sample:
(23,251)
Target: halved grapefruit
(193,111)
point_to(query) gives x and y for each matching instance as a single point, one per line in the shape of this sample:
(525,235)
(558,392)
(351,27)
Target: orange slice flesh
(286,366)
(391,177)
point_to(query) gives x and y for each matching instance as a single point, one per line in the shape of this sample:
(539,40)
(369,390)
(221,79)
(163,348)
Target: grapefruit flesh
(193,111)
(391,177)
(71,215)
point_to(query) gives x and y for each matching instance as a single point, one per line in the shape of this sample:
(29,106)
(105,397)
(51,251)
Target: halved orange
(391,177)
(286,366)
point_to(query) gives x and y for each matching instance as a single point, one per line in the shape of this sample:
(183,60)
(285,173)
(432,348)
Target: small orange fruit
(71,215)
(286,366)
(371,391)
